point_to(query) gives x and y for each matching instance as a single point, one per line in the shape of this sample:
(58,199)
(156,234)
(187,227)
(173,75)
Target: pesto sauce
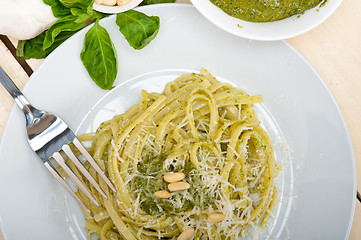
(150,179)
(265,10)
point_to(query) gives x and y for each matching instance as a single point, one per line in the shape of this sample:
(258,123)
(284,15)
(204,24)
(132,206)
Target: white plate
(278,30)
(318,184)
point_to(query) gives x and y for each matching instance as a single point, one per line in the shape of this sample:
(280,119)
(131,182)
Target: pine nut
(109,2)
(174,177)
(122,2)
(162,194)
(178,186)
(216,217)
(98,1)
(186,234)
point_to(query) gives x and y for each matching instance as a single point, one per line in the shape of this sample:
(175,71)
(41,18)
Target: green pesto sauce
(265,10)
(150,179)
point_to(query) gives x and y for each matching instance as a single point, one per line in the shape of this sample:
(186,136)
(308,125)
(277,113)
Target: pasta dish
(191,162)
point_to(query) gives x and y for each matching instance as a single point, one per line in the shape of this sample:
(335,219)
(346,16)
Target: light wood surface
(333,48)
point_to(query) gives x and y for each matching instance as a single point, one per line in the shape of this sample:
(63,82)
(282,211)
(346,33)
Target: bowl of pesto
(266,20)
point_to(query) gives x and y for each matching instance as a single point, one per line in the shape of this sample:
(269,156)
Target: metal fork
(48,136)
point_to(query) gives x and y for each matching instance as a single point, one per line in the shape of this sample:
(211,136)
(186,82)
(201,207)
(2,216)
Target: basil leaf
(138,29)
(148,2)
(83,4)
(99,56)
(33,48)
(81,15)
(94,14)
(57,8)
(64,24)
(80,8)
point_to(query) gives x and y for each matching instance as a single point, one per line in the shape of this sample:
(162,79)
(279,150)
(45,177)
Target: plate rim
(345,128)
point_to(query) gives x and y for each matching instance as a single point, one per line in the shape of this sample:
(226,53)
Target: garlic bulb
(24,19)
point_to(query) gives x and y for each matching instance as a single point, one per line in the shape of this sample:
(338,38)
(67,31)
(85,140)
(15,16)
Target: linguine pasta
(201,131)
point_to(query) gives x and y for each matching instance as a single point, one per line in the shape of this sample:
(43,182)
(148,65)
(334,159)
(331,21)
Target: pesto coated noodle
(198,126)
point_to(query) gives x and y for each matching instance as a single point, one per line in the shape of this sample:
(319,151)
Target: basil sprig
(73,15)
(64,24)
(33,48)
(99,56)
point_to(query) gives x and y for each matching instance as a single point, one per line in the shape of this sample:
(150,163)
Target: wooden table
(333,48)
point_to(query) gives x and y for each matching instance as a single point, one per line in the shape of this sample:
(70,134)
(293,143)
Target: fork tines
(48,136)
(62,163)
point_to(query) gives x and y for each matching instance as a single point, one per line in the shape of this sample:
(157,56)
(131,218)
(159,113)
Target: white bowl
(116,9)
(278,30)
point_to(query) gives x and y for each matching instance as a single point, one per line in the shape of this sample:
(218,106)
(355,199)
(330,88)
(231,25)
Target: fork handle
(30,112)
(13,89)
